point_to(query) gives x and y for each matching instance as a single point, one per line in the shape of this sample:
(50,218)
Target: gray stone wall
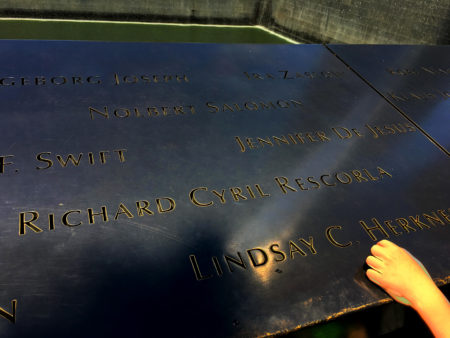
(335,21)
(357,21)
(201,11)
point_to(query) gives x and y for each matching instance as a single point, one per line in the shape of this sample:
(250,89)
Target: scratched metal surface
(414,78)
(133,276)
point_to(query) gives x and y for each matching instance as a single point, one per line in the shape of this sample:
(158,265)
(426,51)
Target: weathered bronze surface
(212,190)
(414,78)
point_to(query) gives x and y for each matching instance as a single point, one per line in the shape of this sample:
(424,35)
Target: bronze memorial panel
(201,190)
(416,79)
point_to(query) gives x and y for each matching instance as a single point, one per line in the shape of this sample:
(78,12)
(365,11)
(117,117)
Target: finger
(378,251)
(374,276)
(386,244)
(375,263)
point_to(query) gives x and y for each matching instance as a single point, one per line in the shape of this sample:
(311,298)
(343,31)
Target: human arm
(404,278)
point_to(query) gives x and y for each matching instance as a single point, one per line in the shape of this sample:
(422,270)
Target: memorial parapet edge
(201,190)
(416,79)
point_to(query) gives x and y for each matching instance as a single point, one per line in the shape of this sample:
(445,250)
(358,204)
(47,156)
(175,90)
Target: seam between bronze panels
(390,102)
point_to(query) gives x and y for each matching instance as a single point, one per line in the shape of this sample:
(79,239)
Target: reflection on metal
(130,207)
(414,79)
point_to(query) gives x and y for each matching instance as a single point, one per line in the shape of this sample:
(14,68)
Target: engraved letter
(278,252)
(3,163)
(194,199)
(392,227)
(7,315)
(284,185)
(210,105)
(376,227)
(160,207)
(105,114)
(23,222)
(233,260)
(122,209)
(255,260)
(293,248)
(221,196)
(142,209)
(309,244)
(418,222)
(240,144)
(237,193)
(403,222)
(348,133)
(71,158)
(66,215)
(260,192)
(433,218)
(198,274)
(91,215)
(120,154)
(443,214)
(39,157)
(331,238)
(382,172)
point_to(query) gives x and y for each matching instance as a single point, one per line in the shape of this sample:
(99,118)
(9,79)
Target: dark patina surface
(413,78)
(220,190)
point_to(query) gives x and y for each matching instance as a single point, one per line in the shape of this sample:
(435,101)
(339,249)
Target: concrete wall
(357,21)
(339,21)
(197,11)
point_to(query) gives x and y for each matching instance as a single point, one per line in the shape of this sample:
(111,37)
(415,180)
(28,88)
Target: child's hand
(406,280)
(394,269)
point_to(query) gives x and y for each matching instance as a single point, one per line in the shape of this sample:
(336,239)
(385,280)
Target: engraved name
(439,71)
(57,80)
(47,159)
(106,112)
(321,136)
(253,105)
(204,197)
(150,111)
(331,179)
(256,257)
(291,75)
(429,95)
(405,225)
(68,80)
(28,220)
(149,79)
